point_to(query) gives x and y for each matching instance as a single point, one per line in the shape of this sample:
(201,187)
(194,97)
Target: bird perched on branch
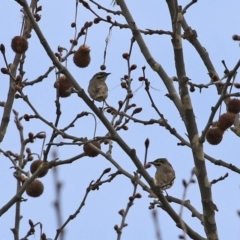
(97,88)
(165,174)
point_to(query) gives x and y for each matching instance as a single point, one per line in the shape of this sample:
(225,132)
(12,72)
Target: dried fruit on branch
(35,189)
(233,105)
(63,85)
(82,56)
(214,135)
(19,44)
(35,165)
(89,150)
(226,120)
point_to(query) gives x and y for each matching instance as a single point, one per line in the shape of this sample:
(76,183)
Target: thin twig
(71,217)
(219,179)
(188,6)
(186,203)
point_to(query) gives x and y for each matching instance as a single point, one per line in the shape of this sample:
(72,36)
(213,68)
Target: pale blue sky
(215,22)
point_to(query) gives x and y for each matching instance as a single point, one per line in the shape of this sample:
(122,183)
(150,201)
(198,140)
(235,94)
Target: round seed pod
(233,105)
(63,85)
(81,57)
(90,151)
(226,120)
(103,67)
(35,189)
(214,135)
(19,44)
(35,165)
(125,55)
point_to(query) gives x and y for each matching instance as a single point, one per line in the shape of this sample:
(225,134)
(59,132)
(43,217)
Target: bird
(97,87)
(165,174)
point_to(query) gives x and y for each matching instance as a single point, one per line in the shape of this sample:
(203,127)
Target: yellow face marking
(158,163)
(100,75)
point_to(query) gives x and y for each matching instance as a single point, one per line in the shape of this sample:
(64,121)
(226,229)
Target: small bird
(97,87)
(165,174)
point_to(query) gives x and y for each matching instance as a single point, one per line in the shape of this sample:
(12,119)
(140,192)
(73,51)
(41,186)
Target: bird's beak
(151,163)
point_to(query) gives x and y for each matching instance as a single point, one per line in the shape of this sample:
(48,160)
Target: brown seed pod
(19,44)
(2,48)
(35,189)
(97,20)
(90,151)
(192,89)
(103,67)
(35,165)
(44,237)
(133,67)
(130,95)
(226,120)
(125,55)
(82,56)
(63,85)
(74,42)
(214,135)
(4,71)
(123,84)
(138,195)
(235,37)
(233,105)
(237,85)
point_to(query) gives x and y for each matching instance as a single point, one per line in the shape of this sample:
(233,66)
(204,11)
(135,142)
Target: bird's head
(158,162)
(101,75)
